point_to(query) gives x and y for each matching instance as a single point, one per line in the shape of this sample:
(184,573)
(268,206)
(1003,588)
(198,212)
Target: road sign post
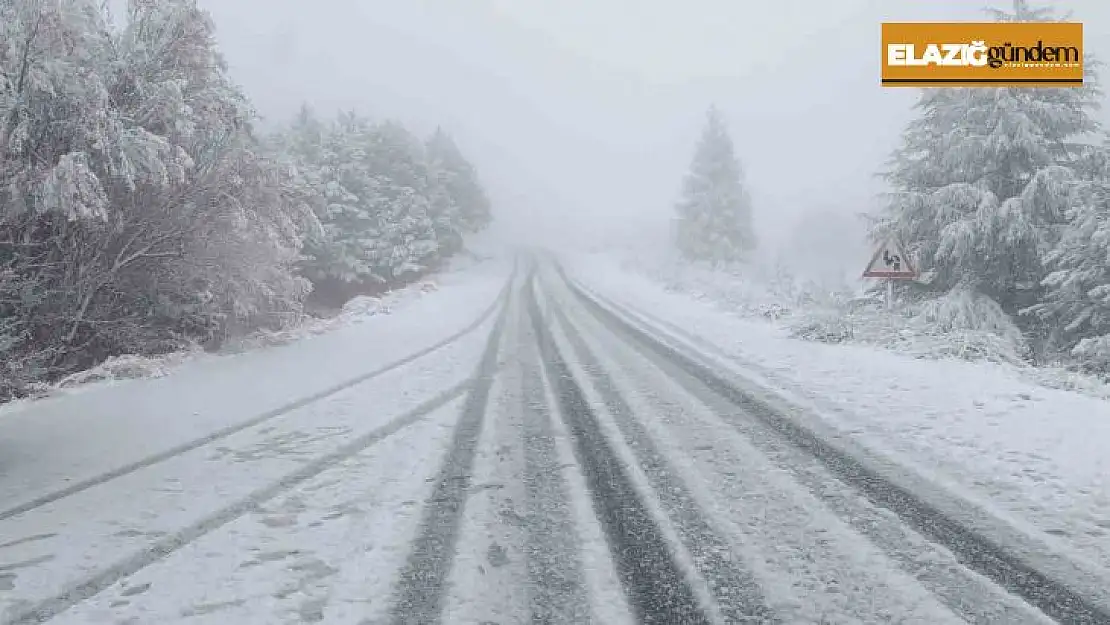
(889,262)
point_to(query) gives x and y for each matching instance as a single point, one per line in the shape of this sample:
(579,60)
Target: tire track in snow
(421,590)
(223,433)
(972,549)
(656,586)
(558,593)
(734,590)
(81,591)
(489,565)
(930,568)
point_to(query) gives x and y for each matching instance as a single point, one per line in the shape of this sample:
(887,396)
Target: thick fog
(582,114)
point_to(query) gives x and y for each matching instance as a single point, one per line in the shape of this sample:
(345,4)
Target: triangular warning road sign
(890,262)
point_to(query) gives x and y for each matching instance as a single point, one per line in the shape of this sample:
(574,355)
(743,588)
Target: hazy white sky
(584,113)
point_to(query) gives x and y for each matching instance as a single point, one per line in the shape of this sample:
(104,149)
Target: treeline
(140,212)
(1003,195)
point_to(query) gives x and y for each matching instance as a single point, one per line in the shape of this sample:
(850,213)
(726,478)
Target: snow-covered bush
(959,324)
(825,326)
(963,312)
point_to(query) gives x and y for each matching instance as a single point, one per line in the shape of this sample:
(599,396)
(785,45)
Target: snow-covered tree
(1077,302)
(136,211)
(983,180)
(385,215)
(469,207)
(407,242)
(55,112)
(714,220)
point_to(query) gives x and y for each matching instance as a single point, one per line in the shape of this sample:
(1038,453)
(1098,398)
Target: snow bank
(130,367)
(357,310)
(961,325)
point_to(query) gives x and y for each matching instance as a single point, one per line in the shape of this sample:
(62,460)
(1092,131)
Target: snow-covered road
(547,457)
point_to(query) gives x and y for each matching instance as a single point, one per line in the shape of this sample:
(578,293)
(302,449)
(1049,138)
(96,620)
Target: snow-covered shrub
(961,324)
(1094,353)
(963,312)
(129,367)
(824,326)
(364,306)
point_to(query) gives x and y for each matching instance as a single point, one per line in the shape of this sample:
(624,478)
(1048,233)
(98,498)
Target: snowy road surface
(551,457)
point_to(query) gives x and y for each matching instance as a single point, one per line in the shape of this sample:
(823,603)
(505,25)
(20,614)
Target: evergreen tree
(345,251)
(470,206)
(983,181)
(406,242)
(374,197)
(714,213)
(1077,302)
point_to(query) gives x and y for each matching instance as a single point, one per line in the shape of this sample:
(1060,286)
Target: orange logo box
(990,54)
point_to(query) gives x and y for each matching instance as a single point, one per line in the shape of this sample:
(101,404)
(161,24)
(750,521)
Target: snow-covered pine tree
(344,252)
(444,210)
(714,220)
(304,139)
(377,201)
(401,201)
(460,180)
(1077,303)
(982,182)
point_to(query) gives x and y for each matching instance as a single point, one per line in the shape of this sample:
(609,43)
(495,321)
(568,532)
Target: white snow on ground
(50,443)
(817,548)
(136,367)
(327,551)
(1032,455)
(490,566)
(83,534)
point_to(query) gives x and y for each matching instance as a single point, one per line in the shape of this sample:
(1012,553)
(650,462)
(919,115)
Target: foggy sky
(581,115)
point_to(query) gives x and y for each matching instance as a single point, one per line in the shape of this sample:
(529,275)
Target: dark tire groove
(1053,598)
(422,583)
(558,593)
(654,583)
(223,433)
(736,592)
